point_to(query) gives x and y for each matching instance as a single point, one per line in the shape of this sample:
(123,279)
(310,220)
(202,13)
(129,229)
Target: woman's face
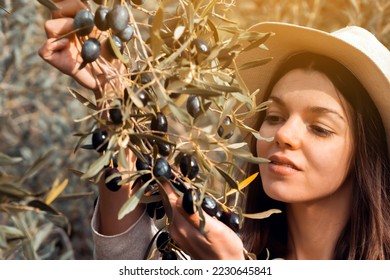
(312,148)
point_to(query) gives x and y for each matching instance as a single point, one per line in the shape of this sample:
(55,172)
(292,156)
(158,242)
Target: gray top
(128,245)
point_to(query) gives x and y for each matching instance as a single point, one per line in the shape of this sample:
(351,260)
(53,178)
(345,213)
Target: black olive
(100,140)
(155,210)
(169,255)
(189,166)
(116,115)
(159,123)
(100,18)
(226,130)
(118,18)
(83,22)
(193,106)
(126,34)
(164,148)
(162,168)
(190,197)
(201,46)
(90,50)
(231,219)
(113,184)
(162,241)
(144,97)
(210,206)
(179,186)
(141,164)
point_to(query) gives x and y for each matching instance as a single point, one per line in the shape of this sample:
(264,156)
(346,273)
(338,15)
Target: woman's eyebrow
(325,110)
(314,109)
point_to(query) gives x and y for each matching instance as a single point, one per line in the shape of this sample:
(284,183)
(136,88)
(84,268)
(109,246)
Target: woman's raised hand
(64,51)
(219,242)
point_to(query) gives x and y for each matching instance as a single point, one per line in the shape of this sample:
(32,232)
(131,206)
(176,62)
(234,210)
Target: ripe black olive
(90,50)
(193,106)
(144,97)
(126,34)
(83,22)
(201,46)
(116,115)
(226,130)
(162,241)
(113,184)
(118,18)
(190,197)
(162,168)
(164,148)
(189,166)
(159,122)
(100,140)
(231,219)
(210,206)
(100,18)
(141,164)
(145,78)
(179,186)
(155,210)
(169,255)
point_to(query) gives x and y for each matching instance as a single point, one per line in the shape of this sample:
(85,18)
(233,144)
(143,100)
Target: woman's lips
(282,165)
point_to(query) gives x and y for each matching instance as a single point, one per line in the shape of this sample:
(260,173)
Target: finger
(58,27)
(51,47)
(170,194)
(68,8)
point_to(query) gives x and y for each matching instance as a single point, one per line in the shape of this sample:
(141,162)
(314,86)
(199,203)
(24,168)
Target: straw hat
(354,47)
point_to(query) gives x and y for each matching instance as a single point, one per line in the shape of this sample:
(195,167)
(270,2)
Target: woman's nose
(289,134)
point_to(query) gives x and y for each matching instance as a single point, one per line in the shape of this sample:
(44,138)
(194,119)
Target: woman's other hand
(219,242)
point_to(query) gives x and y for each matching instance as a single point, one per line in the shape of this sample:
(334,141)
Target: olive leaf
(83,99)
(258,42)
(55,190)
(156,40)
(243,184)
(262,215)
(38,165)
(97,166)
(232,183)
(133,201)
(43,206)
(255,63)
(208,8)
(117,52)
(7,160)
(9,233)
(10,190)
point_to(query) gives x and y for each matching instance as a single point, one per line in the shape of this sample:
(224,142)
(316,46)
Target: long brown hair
(367,233)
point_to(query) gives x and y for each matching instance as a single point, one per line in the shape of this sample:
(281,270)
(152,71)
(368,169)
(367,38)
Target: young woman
(329,168)
(329,158)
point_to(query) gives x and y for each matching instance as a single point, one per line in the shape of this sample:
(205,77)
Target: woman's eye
(320,131)
(273,119)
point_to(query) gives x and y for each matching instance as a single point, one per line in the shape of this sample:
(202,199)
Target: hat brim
(358,50)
